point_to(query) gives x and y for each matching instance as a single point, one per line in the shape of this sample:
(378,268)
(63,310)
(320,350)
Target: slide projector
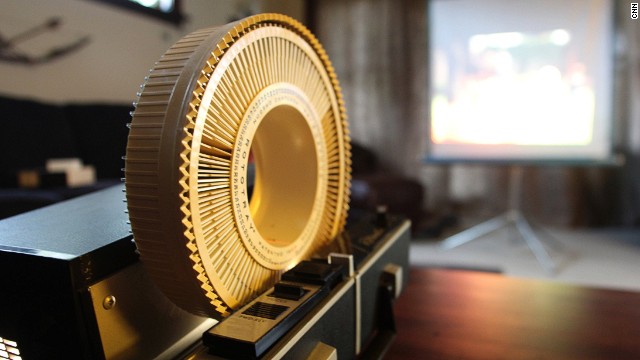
(233,240)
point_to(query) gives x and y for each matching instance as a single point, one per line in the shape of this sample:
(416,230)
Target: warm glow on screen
(536,87)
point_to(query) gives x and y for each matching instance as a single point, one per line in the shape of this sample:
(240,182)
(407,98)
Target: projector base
(512,217)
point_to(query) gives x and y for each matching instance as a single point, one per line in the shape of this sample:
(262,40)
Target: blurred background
(62,52)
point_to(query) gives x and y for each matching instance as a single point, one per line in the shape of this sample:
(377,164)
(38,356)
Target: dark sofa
(32,132)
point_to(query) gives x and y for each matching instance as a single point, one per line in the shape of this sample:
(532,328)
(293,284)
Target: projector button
(288,291)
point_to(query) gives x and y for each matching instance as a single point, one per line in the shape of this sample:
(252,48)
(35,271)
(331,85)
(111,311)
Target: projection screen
(517,80)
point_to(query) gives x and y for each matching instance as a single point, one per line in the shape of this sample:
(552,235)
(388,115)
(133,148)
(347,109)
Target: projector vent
(9,349)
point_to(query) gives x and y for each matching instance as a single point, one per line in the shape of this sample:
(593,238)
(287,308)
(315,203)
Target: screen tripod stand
(513,216)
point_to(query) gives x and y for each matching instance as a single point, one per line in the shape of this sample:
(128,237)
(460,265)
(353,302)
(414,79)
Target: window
(167,10)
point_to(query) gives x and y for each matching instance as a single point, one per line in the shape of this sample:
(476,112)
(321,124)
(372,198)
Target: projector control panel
(253,329)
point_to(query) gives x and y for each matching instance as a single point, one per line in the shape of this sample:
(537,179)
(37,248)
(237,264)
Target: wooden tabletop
(456,314)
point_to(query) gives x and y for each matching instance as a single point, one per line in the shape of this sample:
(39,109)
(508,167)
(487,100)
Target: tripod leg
(535,245)
(475,232)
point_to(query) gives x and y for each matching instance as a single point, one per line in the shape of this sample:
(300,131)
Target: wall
(123,45)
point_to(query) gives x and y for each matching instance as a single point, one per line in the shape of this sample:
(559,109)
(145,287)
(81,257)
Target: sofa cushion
(100,133)
(32,132)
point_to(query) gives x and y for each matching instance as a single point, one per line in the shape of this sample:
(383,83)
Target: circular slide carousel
(238,161)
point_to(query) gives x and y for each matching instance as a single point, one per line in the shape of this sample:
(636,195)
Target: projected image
(520,80)
(512,88)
